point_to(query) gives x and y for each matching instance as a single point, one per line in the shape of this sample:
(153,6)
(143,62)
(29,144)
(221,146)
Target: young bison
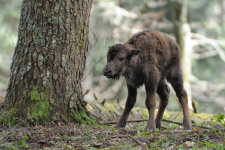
(150,58)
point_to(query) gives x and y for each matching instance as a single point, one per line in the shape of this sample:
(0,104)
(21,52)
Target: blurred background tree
(115,21)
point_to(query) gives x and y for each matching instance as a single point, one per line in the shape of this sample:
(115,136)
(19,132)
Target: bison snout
(110,73)
(107,72)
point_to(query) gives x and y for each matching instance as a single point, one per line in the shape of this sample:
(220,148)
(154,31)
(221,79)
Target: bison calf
(150,58)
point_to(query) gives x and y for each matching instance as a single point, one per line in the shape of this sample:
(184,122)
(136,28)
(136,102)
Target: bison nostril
(108,71)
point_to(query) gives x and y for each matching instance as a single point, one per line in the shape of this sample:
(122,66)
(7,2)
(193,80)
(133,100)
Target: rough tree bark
(183,37)
(48,64)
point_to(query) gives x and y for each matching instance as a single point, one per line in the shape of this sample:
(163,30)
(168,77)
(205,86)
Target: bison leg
(177,84)
(131,99)
(150,104)
(163,91)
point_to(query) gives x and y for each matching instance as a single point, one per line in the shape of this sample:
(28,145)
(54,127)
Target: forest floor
(208,132)
(134,136)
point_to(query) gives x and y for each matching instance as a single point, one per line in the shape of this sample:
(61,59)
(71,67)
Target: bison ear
(135,51)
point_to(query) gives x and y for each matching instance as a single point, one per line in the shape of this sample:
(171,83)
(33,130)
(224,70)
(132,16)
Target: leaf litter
(91,137)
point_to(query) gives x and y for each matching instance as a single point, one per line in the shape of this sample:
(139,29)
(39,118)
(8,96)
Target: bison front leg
(151,103)
(163,91)
(131,99)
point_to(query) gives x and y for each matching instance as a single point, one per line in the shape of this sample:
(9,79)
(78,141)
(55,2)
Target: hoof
(187,125)
(152,129)
(158,126)
(119,126)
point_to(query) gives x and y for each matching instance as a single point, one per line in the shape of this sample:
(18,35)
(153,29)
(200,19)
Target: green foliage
(142,132)
(18,145)
(220,118)
(22,144)
(143,114)
(64,137)
(10,148)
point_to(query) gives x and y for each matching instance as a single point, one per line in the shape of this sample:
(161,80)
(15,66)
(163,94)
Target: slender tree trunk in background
(88,81)
(222,12)
(183,38)
(3,75)
(48,64)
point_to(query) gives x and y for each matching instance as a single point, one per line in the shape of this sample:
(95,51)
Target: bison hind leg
(176,81)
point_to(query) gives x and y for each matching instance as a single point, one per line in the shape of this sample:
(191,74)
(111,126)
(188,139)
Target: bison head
(118,58)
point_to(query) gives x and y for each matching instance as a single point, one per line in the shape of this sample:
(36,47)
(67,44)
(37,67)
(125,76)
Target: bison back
(156,48)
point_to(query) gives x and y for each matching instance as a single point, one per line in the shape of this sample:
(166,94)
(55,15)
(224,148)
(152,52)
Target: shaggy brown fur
(150,58)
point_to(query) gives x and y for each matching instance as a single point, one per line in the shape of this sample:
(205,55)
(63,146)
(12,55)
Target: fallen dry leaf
(97,144)
(189,143)
(116,139)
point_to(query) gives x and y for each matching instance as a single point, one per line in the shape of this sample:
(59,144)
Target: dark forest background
(115,21)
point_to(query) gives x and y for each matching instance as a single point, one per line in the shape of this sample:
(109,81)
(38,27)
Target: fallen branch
(142,120)
(202,40)
(137,141)
(115,122)
(180,132)
(166,120)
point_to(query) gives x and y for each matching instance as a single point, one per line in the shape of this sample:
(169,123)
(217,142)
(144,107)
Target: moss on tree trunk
(48,64)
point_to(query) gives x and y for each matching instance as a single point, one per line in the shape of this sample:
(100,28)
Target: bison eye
(121,59)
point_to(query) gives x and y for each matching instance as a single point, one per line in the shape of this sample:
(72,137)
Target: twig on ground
(177,132)
(176,116)
(166,120)
(137,141)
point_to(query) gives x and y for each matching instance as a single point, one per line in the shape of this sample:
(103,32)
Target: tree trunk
(48,64)
(222,12)
(183,37)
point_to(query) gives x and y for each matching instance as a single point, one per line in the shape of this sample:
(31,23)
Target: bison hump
(135,37)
